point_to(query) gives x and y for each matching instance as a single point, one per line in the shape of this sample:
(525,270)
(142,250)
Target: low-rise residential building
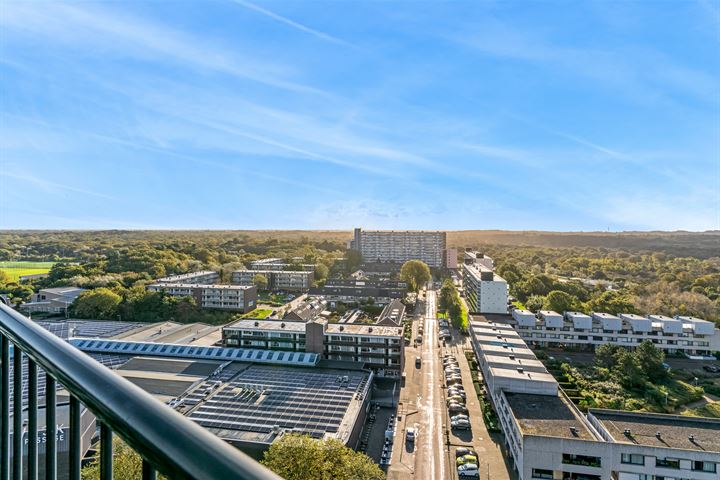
(392,315)
(240,298)
(277,264)
(689,335)
(377,347)
(352,290)
(549,438)
(485,291)
(52,300)
(201,278)
(278,280)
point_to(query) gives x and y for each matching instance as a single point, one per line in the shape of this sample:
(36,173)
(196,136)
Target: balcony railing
(167,442)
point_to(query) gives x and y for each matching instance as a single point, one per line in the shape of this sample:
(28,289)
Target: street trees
(299,457)
(415,273)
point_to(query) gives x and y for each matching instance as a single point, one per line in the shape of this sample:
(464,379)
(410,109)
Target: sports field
(17,269)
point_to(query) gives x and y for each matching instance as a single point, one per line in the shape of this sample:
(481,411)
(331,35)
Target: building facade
(278,264)
(278,280)
(689,335)
(400,246)
(203,278)
(485,291)
(351,290)
(549,438)
(240,298)
(379,348)
(52,300)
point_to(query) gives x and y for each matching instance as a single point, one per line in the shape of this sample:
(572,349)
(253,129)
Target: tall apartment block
(548,437)
(241,298)
(285,280)
(401,246)
(485,291)
(278,264)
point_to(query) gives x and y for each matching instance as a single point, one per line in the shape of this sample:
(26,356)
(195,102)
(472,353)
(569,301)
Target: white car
(469,470)
(460,424)
(410,434)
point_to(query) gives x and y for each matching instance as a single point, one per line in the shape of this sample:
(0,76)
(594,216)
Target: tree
(415,273)
(629,370)
(101,304)
(321,272)
(535,303)
(260,281)
(560,301)
(651,360)
(611,301)
(127,463)
(353,259)
(606,355)
(299,457)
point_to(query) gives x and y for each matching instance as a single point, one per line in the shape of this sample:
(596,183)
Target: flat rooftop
(363,329)
(675,431)
(271,325)
(547,415)
(259,402)
(209,286)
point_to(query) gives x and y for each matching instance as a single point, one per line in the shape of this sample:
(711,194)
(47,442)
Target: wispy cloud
(292,23)
(51,186)
(93,29)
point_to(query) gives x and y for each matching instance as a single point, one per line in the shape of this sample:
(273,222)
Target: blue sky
(428,115)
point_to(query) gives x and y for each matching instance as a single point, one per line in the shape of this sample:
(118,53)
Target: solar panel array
(191,351)
(89,328)
(261,397)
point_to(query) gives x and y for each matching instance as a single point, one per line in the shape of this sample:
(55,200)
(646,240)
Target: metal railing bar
(75,438)
(5,408)
(17,442)
(148,472)
(50,428)
(106,452)
(173,444)
(32,456)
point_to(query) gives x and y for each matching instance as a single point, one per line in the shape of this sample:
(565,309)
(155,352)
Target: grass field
(17,269)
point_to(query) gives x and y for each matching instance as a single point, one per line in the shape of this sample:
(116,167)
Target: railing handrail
(173,444)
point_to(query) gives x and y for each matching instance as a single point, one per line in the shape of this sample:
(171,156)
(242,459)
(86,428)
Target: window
(700,466)
(585,460)
(540,473)
(667,462)
(632,458)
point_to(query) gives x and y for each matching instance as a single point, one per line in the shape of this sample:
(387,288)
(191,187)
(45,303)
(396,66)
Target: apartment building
(471,257)
(549,438)
(379,348)
(52,300)
(400,246)
(278,264)
(485,291)
(351,290)
(688,335)
(240,298)
(278,280)
(201,278)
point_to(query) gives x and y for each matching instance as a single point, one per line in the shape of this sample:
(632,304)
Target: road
(431,457)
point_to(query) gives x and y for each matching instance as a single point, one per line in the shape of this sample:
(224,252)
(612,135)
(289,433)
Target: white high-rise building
(401,246)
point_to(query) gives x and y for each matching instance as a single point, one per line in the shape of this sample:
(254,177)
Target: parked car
(468,471)
(460,424)
(418,362)
(711,368)
(459,416)
(467,459)
(460,451)
(410,434)
(453,380)
(418,339)
(456,399)
(459,393)
(456,408)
